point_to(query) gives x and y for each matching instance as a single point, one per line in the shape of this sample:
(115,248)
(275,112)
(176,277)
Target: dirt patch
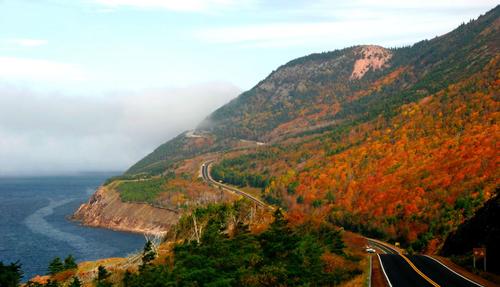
(372,57)
(378,277)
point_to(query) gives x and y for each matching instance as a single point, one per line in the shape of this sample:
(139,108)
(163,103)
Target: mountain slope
(355,84)
(482,230)
(396,143)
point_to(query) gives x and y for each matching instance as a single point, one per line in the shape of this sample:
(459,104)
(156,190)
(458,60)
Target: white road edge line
(383,270)
(383,246)
(475,283)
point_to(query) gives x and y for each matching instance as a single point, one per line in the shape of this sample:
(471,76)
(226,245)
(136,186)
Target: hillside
(395,143)
(346,86)
(481,230)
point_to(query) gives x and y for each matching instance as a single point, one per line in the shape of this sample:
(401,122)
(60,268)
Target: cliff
(105,209)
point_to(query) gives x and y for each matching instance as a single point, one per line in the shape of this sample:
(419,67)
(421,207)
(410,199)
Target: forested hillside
(482,230)
(397,143)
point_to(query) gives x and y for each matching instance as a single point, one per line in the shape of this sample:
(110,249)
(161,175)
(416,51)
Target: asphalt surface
(206,176)
(438,273)
(400,273)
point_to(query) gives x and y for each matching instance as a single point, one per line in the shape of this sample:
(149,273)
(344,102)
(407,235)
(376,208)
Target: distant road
(416,270)
(205,172)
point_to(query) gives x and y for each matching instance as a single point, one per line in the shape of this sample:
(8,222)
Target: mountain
(353,84)
(397,143)
(481,230)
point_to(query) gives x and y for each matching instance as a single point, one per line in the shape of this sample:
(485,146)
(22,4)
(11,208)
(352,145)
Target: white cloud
(426,4)
(13,68)
(28,42)
(303,34)
(176,5)
(54,134)
(345,23)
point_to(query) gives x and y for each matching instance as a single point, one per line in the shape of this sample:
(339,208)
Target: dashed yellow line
(419,272)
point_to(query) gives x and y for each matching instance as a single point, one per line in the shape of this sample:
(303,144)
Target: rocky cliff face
(105,209)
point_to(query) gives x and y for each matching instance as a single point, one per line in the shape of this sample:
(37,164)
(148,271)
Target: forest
(228,252)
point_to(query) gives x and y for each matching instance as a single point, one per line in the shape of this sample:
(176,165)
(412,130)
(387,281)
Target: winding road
(416,270)
(400,270)
(205,173)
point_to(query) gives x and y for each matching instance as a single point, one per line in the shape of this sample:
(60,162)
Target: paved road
(205,172)
(400,270)
(416,270)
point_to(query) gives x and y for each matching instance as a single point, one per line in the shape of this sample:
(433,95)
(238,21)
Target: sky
(94,85)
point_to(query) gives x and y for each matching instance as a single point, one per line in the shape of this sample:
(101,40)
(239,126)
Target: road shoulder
(463,272)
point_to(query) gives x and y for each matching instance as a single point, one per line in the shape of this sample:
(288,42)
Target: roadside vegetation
(311,253)
(235,170)
(218,245)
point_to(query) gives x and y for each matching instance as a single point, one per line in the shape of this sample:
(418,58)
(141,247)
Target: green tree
(55,266)
(51,283)
(69,263)
(148,254)
(128,279)
(76,282)
(102,275)
(10,275)
(32,284)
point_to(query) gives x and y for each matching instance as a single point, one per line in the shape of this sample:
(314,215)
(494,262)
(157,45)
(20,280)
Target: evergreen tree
(32,284)
(76,282)
(69,263)
(127,279)
(56,266)
(102,275)
(148,254)
(10,275)
(51,283)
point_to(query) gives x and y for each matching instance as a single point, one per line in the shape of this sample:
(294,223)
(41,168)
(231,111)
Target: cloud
(328,23)
(59,134)
(326,34)
(14,68)
(28,42)
(175,5)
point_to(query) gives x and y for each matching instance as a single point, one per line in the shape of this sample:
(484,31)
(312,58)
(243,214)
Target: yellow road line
(419,272)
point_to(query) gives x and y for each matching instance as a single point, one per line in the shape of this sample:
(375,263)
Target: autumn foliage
(417,175)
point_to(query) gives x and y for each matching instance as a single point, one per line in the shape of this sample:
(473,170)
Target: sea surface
(34,225)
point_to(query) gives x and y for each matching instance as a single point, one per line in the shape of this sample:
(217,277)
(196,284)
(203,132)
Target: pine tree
(102,273)
(76,282)
(148,254)
(10,275)
(127,279)
(51,283)
(56,266)
(69,263)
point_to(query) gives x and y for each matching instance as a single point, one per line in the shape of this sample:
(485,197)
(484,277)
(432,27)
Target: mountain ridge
(267,112)
(364,135)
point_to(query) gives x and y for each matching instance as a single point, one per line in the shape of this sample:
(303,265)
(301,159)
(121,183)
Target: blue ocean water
(34,227)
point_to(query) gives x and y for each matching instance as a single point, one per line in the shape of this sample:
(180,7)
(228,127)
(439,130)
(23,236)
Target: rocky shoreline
(105,209)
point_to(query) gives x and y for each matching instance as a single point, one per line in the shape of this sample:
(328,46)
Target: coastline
(104,209)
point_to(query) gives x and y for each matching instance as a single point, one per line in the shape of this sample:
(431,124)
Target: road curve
(205,173)
(416,270)
(440,273)
(400,270)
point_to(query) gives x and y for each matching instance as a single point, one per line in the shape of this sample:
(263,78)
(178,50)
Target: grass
(141,190)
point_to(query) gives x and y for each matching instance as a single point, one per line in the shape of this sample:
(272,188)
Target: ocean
(34,225)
